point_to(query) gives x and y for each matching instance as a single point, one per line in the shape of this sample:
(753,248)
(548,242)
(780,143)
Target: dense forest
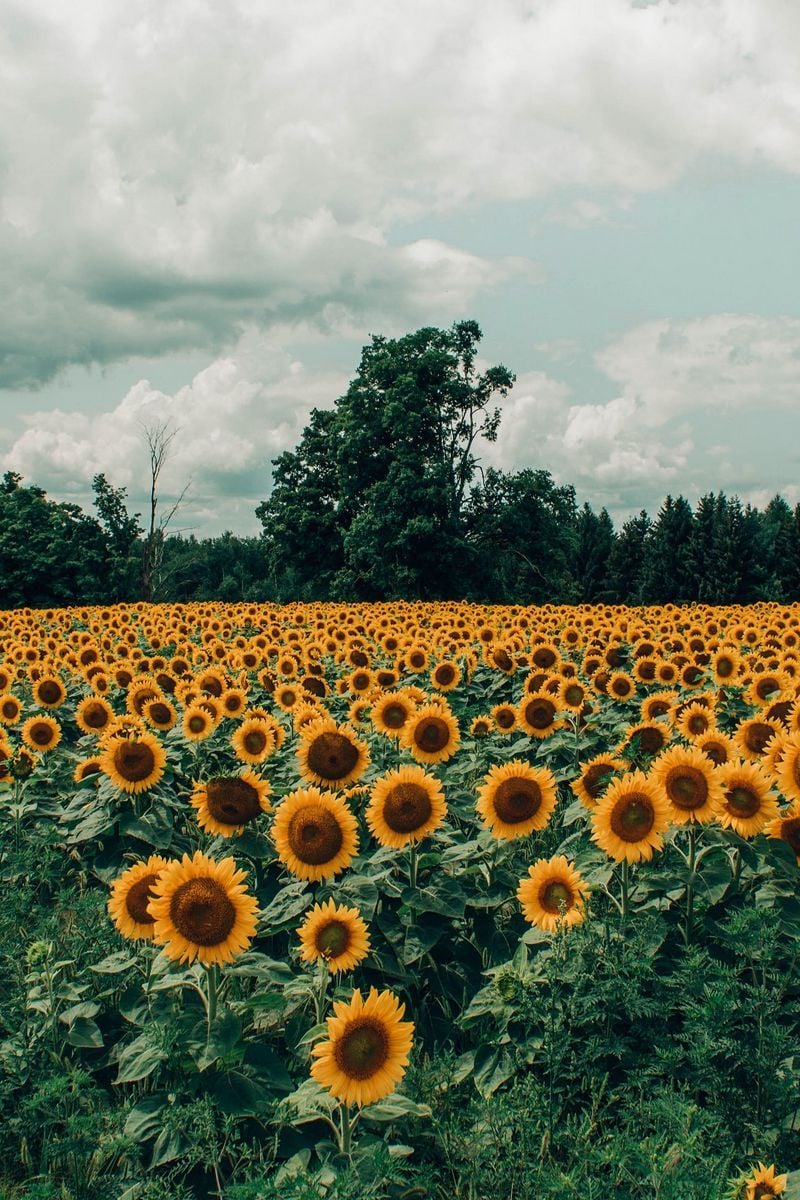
(384,497)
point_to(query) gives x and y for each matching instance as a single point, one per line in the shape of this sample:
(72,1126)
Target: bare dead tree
(158,439)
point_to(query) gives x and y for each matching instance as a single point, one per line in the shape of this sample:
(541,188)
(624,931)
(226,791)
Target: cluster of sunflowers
(362,711)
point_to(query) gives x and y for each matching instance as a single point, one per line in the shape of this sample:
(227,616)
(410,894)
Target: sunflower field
(400,901)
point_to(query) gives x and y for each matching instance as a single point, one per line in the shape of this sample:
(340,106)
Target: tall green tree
(668,575)
(123,533)
(628,558)
(594,547)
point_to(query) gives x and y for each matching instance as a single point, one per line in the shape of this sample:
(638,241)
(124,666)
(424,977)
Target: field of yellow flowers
(400,900)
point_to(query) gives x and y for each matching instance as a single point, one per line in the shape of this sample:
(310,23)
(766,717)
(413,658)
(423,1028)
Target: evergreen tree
(628,558)
(667,575)
(594,546)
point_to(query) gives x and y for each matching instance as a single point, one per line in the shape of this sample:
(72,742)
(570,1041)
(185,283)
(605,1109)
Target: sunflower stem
(345,1130)
(320,992)
(212,981)
(624,880)
(413,864)
(691,867)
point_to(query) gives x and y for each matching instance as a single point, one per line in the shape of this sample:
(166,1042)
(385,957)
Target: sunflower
(659,707)
(49,691)
(482,726)
(504,717)
(747,803)
(10,709)
(367,1050)
(445,676)
(787,827)
(694,720)
(538,714)
(595,776)
(620,686)
(431,734)
(197,723)
(717,746)
(390,714)
(553,894)
(764,1183)
(335,934)
(94,715)
(406,805)
(134,763)
(41,733)
(690,783)
(330,755)
(315,834)
(789,772)
(645,738)
(516,799)
(253,741)
(202,910)
(630,818)
(227,804)
(572,695)
(87,768)
(160,714)
(724,665)
(753,736)
(130,896)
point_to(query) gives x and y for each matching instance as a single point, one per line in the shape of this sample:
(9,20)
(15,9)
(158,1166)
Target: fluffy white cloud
(172,174)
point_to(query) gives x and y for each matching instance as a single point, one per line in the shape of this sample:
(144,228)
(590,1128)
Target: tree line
(384,497)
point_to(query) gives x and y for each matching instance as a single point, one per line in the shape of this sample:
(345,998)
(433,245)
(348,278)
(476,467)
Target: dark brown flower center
(407,807)
(197,723)
(314,835)
(574,694)
(540,713)
(160,713)
(502,660)
(790,832)
(716,751)
(698,723)
(633,817)
(757,735)
(363,1048)
(202,912)
(394,716)
(90,768)
(41,734)
(138,898)
(255,741)
(651,740)
(555,895)
(445,673)
(596,779)
(50,692)
(332,939)
(505,717)
(687,787)
(10,709)
(432,734)
(134,761)
(517,800)
(96,716)
(232,801)
(544,657)
(332,755)
(742,802)
(725,667)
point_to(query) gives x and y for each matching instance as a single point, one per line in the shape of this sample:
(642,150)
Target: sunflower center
(763,1190)
(432,734)
(363,1049)
(138,898)
(574,694)
(407,807)
(332,939)
(332,755)
(232,801)
(50,691)
(687,788)
(395,716)
(41,734)
(517,800)
(10,708)
(160,713)
(790,832)
(544,658)
(95,716)
(554,895)
(757,736)
(540,713)
(315,835)
(255,741)
(505,718)
(202,912)
(724,667)
(445,674)
(197,723)
(697,723)
(595,781)
(502,660)
(134,761)
(742,802)
(716,752)
(633,817)
(651,740)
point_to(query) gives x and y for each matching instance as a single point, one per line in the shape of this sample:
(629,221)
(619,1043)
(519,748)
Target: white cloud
(173,174)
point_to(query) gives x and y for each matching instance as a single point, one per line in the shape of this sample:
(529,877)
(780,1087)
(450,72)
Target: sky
(208,207)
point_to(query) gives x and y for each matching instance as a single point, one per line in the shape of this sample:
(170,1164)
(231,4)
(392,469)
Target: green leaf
(238,1094)
(224,1035)
(170,1144)
(86,1033)
(146,1117)
(268,1068)
(114,964)
(138,1060)
(394,1107)
(493,1066)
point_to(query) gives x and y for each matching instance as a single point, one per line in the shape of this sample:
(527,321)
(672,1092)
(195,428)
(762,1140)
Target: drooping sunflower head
(407,804)
(595,776)
(87,768)
(202,911)
(330,755)
(130,895)
(747,803)
(366,1052)
(690,784)
(315,834)
(481,727)
(631,817)
(553,894)
(134,763)
(227,804)
(516,799)
(431,734)
(334,934)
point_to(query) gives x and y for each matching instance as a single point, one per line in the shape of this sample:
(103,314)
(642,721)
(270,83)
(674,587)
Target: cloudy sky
(208,206)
